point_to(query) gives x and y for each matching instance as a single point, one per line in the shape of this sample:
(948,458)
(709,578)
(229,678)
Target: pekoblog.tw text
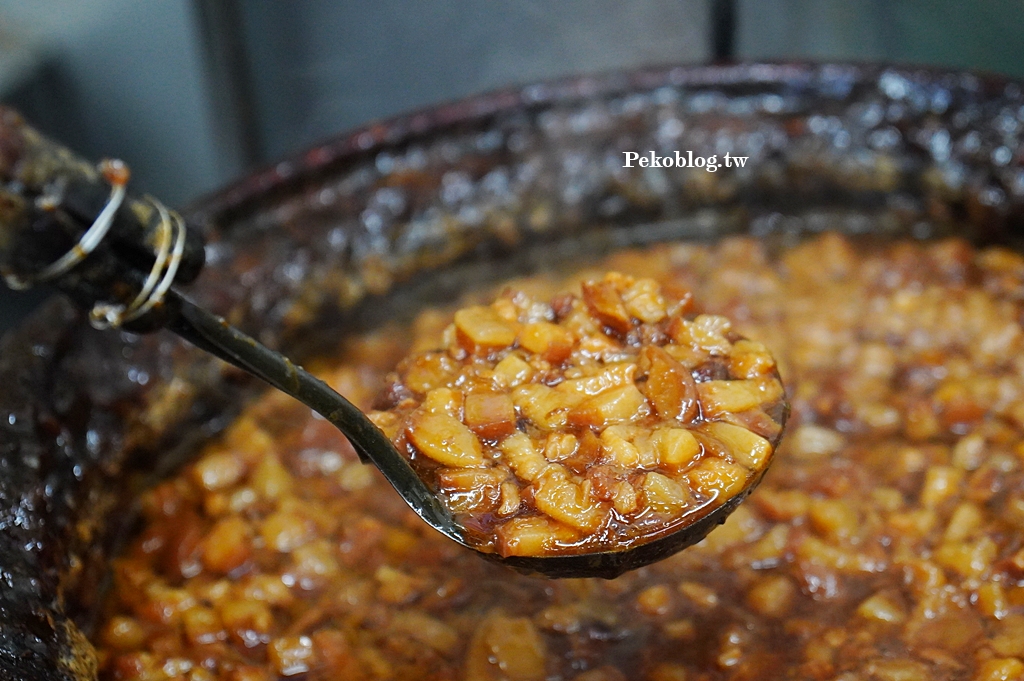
(683,160)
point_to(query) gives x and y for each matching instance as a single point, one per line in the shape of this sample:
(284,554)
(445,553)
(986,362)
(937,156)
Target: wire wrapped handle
(120,267)
(165,267)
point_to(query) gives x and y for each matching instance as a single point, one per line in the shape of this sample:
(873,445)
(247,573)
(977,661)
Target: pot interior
(370,227)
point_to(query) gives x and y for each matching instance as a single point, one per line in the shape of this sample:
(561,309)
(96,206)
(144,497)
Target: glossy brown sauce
(886,542)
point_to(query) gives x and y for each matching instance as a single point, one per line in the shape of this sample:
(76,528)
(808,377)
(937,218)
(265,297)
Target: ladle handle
(213,334)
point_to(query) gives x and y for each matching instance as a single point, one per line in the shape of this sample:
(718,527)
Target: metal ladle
(100,269)
(213,334)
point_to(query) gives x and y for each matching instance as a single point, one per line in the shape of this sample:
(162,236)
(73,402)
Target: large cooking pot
(371,223)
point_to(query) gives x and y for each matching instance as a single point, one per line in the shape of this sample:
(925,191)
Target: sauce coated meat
(592,423)
(886,541)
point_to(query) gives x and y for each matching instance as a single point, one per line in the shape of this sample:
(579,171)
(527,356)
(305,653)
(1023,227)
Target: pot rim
(245,194)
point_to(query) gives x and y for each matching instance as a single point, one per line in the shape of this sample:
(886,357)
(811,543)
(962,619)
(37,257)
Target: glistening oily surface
(885,542)
(608,417)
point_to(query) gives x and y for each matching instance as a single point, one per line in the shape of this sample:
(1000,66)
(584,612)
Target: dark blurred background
(192,93)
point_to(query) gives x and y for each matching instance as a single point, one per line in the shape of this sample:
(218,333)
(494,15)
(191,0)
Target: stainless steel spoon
(213,334)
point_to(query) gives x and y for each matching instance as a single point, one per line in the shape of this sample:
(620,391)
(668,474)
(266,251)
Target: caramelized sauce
(884,543)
